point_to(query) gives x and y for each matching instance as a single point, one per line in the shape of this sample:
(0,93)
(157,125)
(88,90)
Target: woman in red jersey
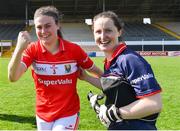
(55,63)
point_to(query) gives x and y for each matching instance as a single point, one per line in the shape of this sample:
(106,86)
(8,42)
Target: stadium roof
(19,9)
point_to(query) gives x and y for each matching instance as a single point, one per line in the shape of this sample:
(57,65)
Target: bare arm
(142,107)
(95,71)
(15,67)
(95,81)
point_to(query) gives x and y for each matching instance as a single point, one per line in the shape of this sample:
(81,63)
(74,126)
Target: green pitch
(17,100)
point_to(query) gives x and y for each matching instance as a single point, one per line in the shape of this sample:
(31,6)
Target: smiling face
(106,34)
(46,29)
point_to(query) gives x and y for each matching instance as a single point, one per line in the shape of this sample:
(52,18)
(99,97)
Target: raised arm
(15,67)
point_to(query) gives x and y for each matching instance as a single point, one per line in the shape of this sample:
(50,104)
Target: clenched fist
(23,40)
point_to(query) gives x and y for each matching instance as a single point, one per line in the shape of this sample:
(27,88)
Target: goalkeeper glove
(109,114)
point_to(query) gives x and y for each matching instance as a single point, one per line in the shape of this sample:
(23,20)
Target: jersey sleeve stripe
(24,64)
(150,94)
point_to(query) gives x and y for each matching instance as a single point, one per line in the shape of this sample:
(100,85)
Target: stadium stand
(77,32)
(10,31)
(146,32)
(33,33)
(8,34)
(90,48)
(173,26)
(163,14)
(80,32)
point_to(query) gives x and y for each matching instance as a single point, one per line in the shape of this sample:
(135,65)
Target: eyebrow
(44,24)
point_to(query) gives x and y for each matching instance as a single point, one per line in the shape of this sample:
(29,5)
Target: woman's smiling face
(46,29)
(106,34)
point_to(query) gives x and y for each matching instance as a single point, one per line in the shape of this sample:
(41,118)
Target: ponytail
(59,33)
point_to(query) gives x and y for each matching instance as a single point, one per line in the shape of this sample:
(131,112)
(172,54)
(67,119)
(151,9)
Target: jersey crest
(67,68)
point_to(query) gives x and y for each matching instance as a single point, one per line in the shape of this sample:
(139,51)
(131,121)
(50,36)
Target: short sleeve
(83,59)
(140,75)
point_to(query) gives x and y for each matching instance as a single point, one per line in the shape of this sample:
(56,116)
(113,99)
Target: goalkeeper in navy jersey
(133,99)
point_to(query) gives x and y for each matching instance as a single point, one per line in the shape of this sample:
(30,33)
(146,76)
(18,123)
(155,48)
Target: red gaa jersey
(55,78)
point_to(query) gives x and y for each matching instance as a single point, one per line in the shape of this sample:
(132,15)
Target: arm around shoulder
(95,71)
(95,81)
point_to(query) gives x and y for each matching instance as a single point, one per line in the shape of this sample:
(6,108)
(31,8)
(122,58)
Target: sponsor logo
(141,78)
(153,53)
(55,82)
(53,67)
(41,69)
(67,68)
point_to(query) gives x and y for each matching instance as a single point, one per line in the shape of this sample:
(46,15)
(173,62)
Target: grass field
(17,100)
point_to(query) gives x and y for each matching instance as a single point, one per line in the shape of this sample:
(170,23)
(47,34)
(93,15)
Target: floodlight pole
(52,2)
(26,11)
(104,8)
